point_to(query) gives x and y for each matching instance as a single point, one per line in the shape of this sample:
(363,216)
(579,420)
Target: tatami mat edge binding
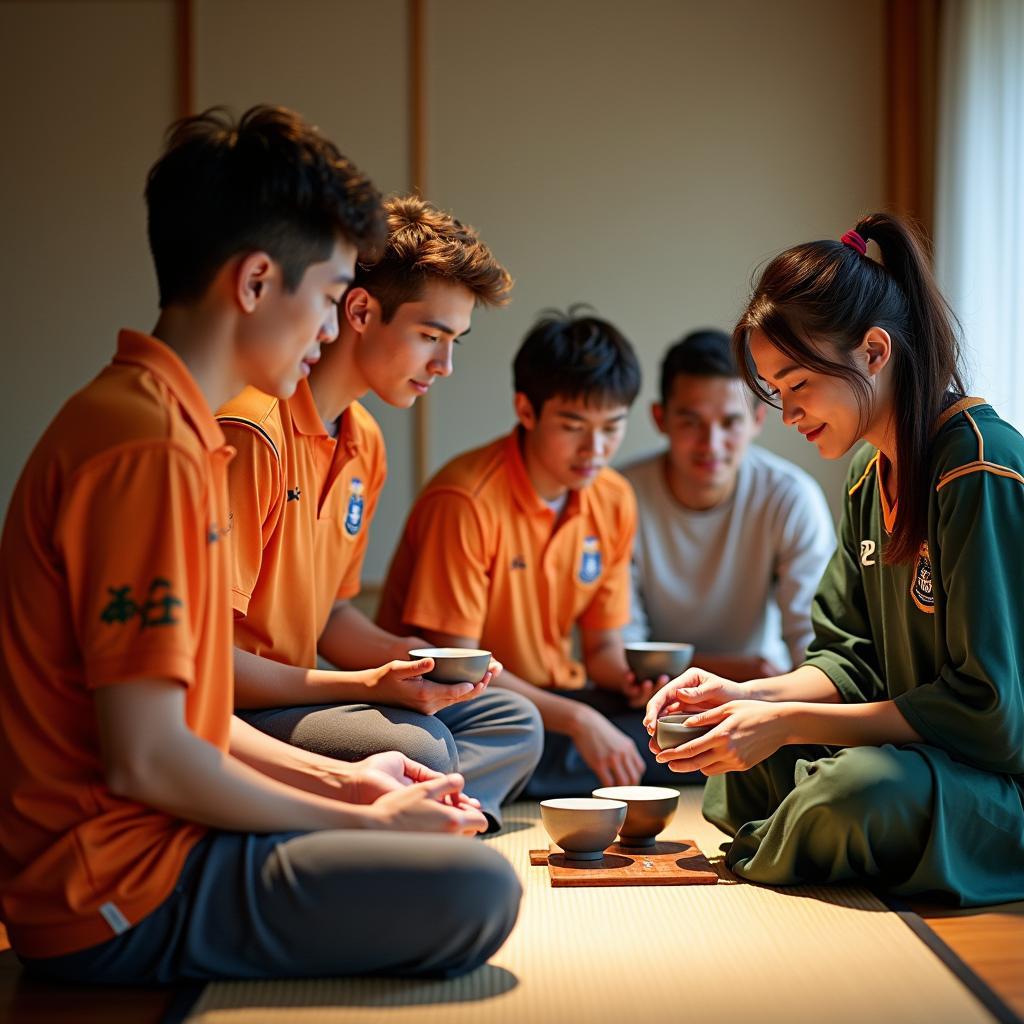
(982,991)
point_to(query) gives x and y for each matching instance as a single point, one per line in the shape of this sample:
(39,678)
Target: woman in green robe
(894,755)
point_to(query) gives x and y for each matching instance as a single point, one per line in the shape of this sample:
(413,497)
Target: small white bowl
(583,827)
(650,659)
(671,731)
(454,664)
(648,810)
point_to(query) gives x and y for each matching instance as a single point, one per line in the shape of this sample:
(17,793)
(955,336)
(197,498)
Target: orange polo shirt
(301,505)
(113,568)
(478,558)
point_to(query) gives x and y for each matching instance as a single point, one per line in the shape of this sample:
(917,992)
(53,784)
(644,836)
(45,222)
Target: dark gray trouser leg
(313,904)
(562,772)
(351,732)
(499,736)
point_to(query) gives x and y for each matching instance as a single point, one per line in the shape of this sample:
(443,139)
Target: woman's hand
(695,690)
(744,733)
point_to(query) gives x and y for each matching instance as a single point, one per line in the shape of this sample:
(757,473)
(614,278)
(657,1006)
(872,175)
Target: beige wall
(644,157)
(87,91)
(342,64)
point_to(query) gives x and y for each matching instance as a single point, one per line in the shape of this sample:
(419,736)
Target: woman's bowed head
(851,349)
(854,349)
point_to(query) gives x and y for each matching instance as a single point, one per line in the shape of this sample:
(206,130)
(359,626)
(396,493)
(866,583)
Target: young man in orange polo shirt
(304,488)
(146,834)
(515,544)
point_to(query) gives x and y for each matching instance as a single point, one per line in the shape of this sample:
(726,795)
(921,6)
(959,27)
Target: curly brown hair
(424,244)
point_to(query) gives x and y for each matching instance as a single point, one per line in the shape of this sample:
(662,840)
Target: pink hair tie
(854,241)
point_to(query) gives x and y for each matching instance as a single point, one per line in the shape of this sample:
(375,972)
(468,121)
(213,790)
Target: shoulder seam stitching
(135,443)
(978,467)
(981,440)
(242,421)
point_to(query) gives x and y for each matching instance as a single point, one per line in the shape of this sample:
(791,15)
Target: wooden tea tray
(668,862)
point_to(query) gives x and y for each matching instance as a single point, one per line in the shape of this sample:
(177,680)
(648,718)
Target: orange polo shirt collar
(305,414)
(138,349)
(306,418)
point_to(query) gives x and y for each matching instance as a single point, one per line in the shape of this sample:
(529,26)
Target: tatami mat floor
(731,952)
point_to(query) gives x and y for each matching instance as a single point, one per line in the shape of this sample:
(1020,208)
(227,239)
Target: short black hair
(703,353)
(268,182)
(573,356)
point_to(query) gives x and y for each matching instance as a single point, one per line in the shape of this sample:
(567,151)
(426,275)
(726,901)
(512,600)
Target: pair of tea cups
(584,827)
(647,660)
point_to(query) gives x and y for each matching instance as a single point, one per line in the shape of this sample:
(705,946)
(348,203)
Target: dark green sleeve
(975,707)
(842,646)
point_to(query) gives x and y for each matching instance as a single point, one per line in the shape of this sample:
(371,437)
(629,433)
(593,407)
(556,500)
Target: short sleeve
(255,499)
(450,578)
(133,532)
(609,608)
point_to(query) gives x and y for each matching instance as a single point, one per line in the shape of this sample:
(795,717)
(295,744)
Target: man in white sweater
(732,540)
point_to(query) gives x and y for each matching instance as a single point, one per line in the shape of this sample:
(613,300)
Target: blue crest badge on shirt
(354,513)
(922,589)
(590,566)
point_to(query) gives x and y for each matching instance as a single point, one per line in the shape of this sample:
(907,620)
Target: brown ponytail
(829,291)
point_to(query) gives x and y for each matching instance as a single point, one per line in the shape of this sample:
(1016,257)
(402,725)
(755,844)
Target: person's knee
(431,745)
(862,784)
(482,898)
(722,805)
(522,722)
(353,735)
(531,727)
(488,877)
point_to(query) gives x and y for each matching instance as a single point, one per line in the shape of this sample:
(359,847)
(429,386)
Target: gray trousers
(563,772)
(308,904)
(494,740)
